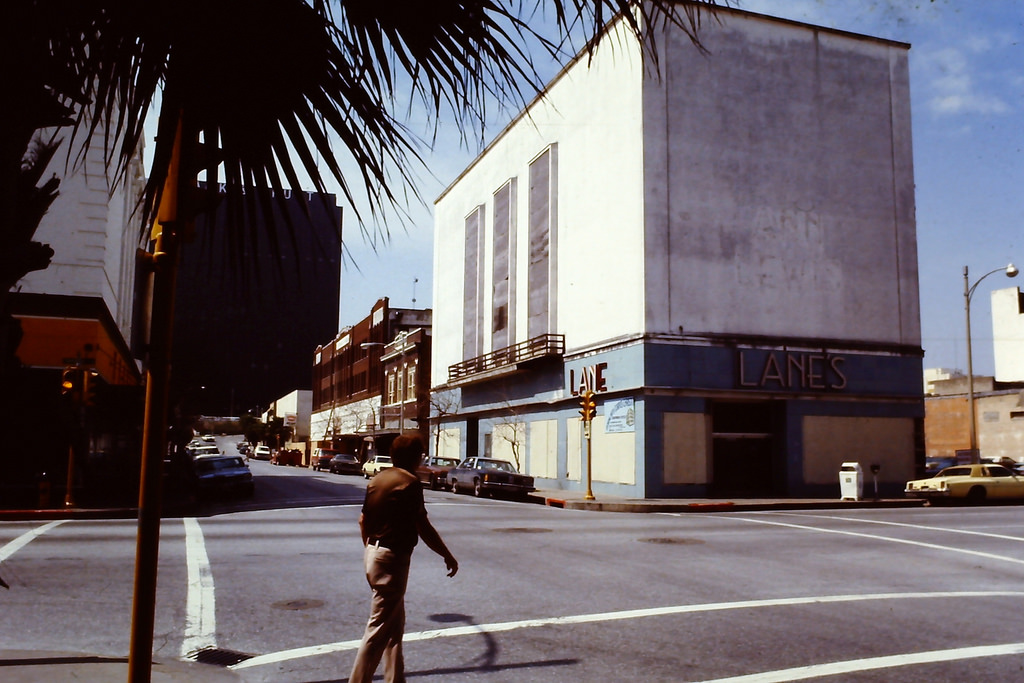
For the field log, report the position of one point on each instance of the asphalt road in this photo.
(544, 594)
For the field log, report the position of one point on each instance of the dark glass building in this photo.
(248, 317)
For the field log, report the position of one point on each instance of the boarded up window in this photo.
(472, 305)
(503, 255)
(542, 196)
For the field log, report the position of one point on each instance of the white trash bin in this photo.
(851, 481)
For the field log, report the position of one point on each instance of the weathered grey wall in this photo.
(780, 190)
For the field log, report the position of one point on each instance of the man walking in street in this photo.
(393, 520)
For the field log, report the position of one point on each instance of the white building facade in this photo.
(1008, 334)
(84, 304)
(722, 247)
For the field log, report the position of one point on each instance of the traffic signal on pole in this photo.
(89, 384)
(182, 200)
(71, 384)
(587, 406)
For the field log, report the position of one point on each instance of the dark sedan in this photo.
(433, 472)
(488, 475)
(344, 463)
(217, 475)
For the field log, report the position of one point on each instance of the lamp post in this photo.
(1011, 271)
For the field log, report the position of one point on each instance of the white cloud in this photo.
(956, 79)
(968, 104)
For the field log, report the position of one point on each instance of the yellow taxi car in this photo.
(973, 483)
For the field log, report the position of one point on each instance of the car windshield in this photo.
(345, 458)
(502, 465)
(383, 458)
(445, 462)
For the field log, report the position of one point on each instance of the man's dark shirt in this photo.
(394, 501)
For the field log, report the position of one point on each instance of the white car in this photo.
(376, 464)
(204, 450)
(261, 453)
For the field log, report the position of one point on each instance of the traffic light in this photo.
(71, 384)
(89, 385)
(587, 406)
(182, 199)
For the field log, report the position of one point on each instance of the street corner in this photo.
(30, 667)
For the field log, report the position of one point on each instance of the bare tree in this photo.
(512, 430)
(444, 403)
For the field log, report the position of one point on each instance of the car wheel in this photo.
(478, 490)
(976, 494)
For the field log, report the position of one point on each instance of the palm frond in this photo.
(278, 84)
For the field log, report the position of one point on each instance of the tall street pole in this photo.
(1011, 271)
(164, 263)
(970, 372)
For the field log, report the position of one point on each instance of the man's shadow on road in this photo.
(485, 662)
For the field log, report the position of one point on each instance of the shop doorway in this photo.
(743, 447)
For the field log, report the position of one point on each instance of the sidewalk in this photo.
(574, 500)
(31, 667)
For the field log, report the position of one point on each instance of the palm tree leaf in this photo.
(278, 83)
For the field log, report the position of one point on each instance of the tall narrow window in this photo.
(542, 209)
(410, 393)
(472, 305)
(503, 271)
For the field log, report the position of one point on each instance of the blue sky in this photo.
(967, 96)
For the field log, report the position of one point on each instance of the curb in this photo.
(721, 506)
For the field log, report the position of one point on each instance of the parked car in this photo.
(376, 464)
(345, 463)
(934, 465)
(218, 475)
(433, 471)
(261, 453)
(286, 456)
(973, 483)
(321, 459)
(489, 475)
(204, 450)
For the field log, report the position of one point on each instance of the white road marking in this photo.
(874, 537)
(21, 541)
(200, 612)
(802, 673)
(298, 653)
(1002, 537)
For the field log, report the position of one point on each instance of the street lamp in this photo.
(1011, 271)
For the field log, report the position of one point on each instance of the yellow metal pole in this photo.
(154, 438)
(590, 494)
(69, 498)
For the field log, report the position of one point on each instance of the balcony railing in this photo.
(544, 346)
